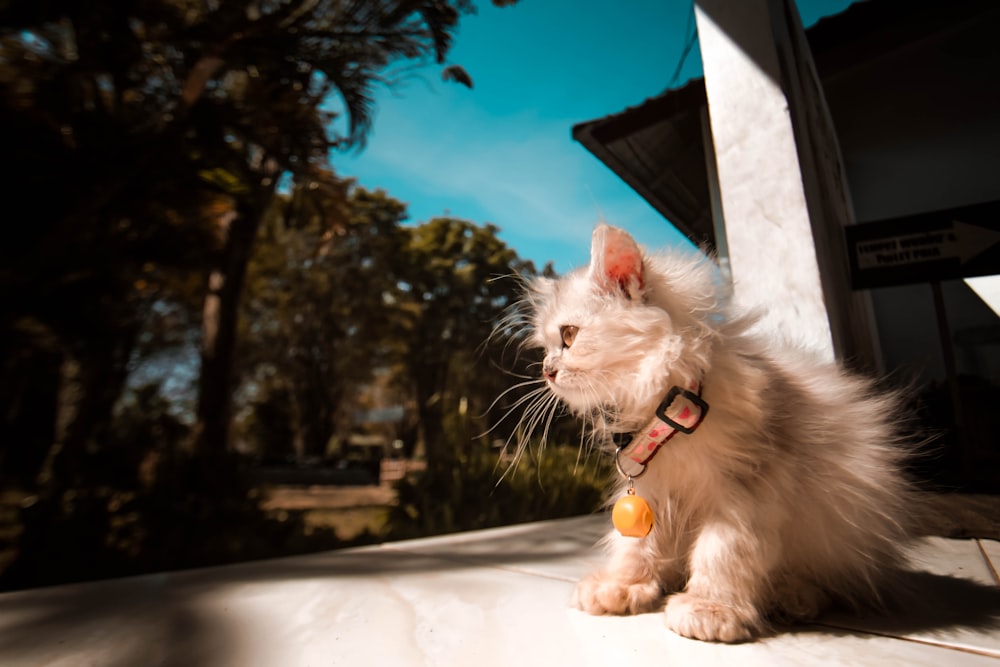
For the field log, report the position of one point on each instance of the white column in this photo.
(781, 181)
(769, 237)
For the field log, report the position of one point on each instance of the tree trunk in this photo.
(321, 401)
(29, 394)
(210, 436)
(430, 394)
(92, 379)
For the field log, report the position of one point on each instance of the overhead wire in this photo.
(690, 39)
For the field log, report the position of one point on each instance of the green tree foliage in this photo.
(460, 278)
(319, 313)
(465, 285)
(149, 140)
(417, 304)
(164, 128)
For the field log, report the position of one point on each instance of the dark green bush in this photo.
(473, 488)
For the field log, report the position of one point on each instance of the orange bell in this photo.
(632, 516)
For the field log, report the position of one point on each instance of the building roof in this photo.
(657, 148)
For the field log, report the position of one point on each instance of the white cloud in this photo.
(521, 172)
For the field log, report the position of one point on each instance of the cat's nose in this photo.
(549, 372)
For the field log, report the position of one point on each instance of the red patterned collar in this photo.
(680, 411)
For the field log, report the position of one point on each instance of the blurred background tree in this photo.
(183, 244)
(459, 278)
(319, 313)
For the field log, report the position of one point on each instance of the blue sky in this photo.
(502, 152)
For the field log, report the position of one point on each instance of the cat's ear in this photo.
(616, 262)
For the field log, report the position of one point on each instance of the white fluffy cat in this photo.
(787, 495)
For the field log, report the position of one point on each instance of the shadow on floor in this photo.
(927, 604)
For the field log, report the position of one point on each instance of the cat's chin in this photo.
(574, 406)
(597, 414)
(574, 399)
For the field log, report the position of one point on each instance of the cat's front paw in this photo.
(604, 594)
(707, 620)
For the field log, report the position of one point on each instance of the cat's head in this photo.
(622, 331)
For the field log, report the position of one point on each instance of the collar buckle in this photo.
(668, 400)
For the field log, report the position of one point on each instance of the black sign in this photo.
(943, 245)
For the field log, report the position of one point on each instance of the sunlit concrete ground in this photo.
(492, 597)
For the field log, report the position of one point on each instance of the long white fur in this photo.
(788, 496)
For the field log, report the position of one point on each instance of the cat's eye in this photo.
(568, 334)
